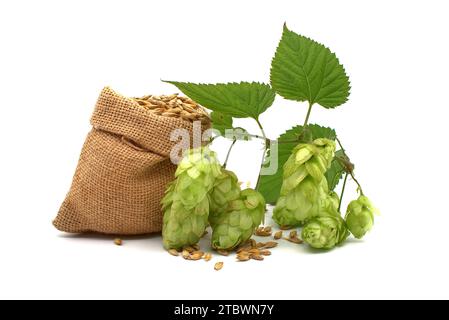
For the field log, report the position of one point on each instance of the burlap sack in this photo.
(124, 166)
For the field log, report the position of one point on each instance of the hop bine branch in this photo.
(349, 167)
(266, 144)
(309, 165)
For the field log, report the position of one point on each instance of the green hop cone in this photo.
(195, 175)
(334, 199)
(186, 203)
(326, 230)
(226, 189)
(304, 186)
(360, 216)
(237, 225)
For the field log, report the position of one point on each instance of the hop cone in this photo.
(237, 225)
(304, 187)
(326, 230)
(360, 216)
(334, 199)
(186, 204)
(225, 190)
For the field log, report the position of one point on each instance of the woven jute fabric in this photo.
(124, 167)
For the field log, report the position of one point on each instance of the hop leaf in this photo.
(221, 122)
(336, 170)
(304, 70)
(238, 100)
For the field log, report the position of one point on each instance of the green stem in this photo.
(261, 129)
(308, 115)
(257, 136)
(229, 153)
(358, 184)
(341, 147)
(264, 150)
(342, 192)
(351, 172)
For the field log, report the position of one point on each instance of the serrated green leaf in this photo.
(305, 70)
(221, 121)
(270, 185)
(335, 172)
(238, 100)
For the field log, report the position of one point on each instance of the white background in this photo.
(55, 57)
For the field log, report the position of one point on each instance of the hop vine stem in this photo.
(308, 114)
(266, 142)
(255, 136)
(350, 172)
(229, 153)
(342, 192)
(358, 184)
(261, 129)
(341, 146)
(258, 137)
